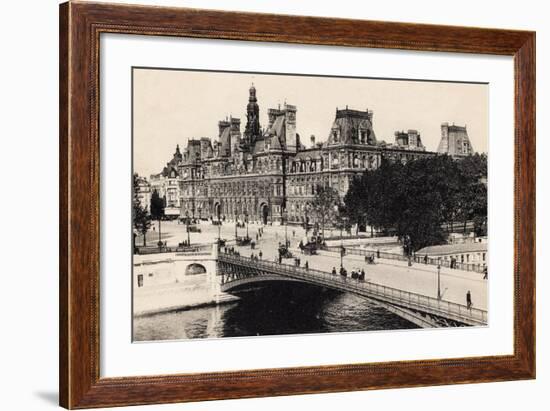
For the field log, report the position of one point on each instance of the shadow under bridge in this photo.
(424, 311)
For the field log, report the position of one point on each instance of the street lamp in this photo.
(235, 214)
(187, 226)
(246, 219)
(439, 281)
(285, 217)
(342, 249)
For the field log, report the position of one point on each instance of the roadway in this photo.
(419, 278)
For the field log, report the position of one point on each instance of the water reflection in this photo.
(273, 309)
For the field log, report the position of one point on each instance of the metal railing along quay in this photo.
(192, 249)
(419, 259)
(430, 305)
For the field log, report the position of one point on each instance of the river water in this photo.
(273, 309)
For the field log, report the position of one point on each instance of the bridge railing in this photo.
(419, 259)
(406, 298)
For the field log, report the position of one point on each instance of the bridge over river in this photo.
(236, 272)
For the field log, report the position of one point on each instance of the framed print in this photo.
(258, 205)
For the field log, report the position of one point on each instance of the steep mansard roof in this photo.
(348, 124)
(225, 142)
(278, 127)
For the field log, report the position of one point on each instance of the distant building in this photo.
(454, 141)
(143, 191)
(467, 253)
(166, 183)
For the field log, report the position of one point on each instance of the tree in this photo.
(414, 200)
(157, 209)
(355, 202)
(473, 195)
(324, 204)
(417, 205)
(140, 216)
(342, 219)
(382, 195)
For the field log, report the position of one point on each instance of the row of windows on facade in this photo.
(308, 165)
(296, 210)
(299, 187)
(362, 136)
(229, 208)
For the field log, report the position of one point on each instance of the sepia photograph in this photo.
(271, 204)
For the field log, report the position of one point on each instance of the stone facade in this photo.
(167, 184)
(258, 173)
(143, 191)
(454, 141)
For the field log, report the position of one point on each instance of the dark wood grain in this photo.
(63, 205)
(80, 27)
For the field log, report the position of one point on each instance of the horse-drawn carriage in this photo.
(310, 248)
(284, 252)
(242, 241)
(193, 228)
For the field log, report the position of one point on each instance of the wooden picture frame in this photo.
(80, 27)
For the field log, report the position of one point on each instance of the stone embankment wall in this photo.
(174, 281)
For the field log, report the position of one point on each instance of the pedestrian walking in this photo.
(485, 276)
(377, 253)
(260, 254)
(333, 270)
(306, 265)
(469, 300)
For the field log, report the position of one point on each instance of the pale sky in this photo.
(172, 106)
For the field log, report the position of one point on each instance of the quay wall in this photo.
(175, 281)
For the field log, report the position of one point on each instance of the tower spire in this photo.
(252, 130)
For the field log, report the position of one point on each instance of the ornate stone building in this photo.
(167, 184)
(261, 172)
